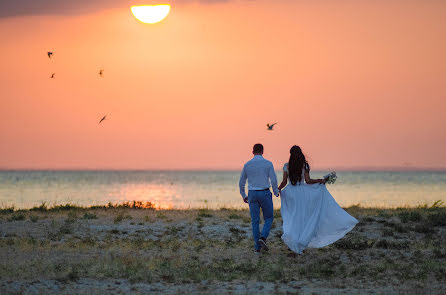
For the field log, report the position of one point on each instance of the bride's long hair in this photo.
(296, 163)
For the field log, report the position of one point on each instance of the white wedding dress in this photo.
(311, 217)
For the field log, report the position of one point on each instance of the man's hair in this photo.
(258, 148)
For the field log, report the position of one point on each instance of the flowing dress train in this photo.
(311, 217)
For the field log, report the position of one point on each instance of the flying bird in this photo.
(101, 73)
(270, 127)
(50, 54)
(52, 75)
(103, 118)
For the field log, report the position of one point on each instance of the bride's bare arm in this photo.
(284, 181)
(311, 181)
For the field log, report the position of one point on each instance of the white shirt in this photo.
(260, 174)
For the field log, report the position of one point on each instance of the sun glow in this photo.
(150, 14)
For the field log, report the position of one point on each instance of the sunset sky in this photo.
(354, 83)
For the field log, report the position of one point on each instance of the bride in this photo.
(311, 217)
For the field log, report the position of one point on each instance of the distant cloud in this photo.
(9, 8)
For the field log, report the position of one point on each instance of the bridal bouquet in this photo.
(331, 177)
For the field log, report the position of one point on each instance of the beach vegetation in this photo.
(121, 216)
(71, 217)
(88, 215)
(204, 213)
(183, 251)
(17, 217)
(42, 208)
(33, 218)
(234, 216)
(437, 218)
(410, 215)
(354, 242)
(7, 210)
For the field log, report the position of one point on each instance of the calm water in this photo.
(214, 189)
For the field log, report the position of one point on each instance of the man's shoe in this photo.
(263, 244)
(257, 252)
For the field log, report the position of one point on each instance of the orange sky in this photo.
(355, 83)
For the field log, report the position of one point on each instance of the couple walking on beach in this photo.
(311, 217)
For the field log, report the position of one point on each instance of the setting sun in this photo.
(150, 14)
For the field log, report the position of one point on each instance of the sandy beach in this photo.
(125, 250)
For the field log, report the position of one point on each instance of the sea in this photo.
(207, 189)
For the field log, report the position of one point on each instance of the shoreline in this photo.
(121, 249)
(144, 205)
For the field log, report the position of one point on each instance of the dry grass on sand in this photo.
(126, 249)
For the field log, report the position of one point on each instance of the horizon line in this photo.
(338, 168)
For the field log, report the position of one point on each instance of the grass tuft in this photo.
(17, 217)
(33, 218)
(42, 208)
(204, 213)
(120, 217)
(7, 210)
(90, 216)
(234, 216)
(410, 215)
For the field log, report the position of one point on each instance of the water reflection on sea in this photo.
(197, 189)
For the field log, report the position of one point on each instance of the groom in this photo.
(260, 173)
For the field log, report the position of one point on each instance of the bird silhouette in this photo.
(50, 54)
(52, 75)
(270, 127)
(103, 118)
(101, 73)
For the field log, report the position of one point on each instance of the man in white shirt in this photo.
(260, 174)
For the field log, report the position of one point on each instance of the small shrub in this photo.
(437, 204)
(65, 229)
(160, 215)
(246, 219)
(173, 230)
(353, 242)
(437, 218)
(438, 253)
(406, 216)
(236, 231)
(7, 210)
(234, 216)
(17, 217)
(66, 207)
(424, 228)
(121, 217)
(396, 226)
(386, 244)
(42, 208)
(72, 217)
(368, 219)
(204, 213)
(133, 205)
(387, 233)
(73, 275)
(89, 241)
(384, 214)
(33, 218)
(199, 247)
(90, 216)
